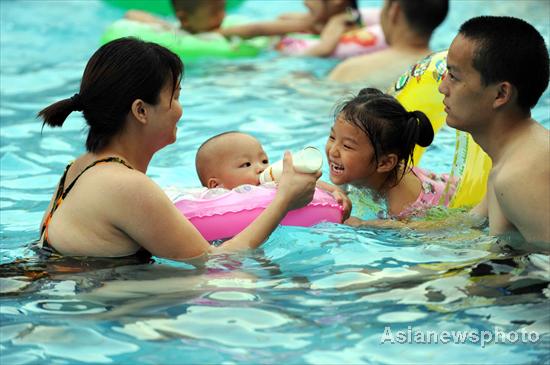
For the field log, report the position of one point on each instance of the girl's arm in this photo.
(465, 219)
(270, 28)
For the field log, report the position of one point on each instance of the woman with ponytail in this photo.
(105, 205)
(371, 146)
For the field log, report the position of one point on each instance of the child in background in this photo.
(194, 16)
(328, 18)
(371, 146)
(231, 159)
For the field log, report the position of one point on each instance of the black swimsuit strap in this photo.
(107, 159)
(62, 193)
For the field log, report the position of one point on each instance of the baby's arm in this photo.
(330, 36)
(270, 28)
(340, 196)
(144, 17)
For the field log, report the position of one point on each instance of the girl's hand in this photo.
(339, 195)
(296, 188)
(344, 201)
(354, 222)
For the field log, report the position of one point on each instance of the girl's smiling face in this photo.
(350, 155)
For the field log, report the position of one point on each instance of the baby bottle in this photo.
(308, 160)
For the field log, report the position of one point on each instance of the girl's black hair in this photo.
(389, 127)
(117, 74)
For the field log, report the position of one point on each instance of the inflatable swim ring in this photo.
(187, 46)
(221, 213)
(161, 7)
(416, 89)
(353, 43)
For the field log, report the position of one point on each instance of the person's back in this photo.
(497, 71)
(407, 26)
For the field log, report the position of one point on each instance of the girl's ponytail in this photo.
(55, 114)
(425, 131)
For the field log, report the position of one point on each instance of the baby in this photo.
(231, 159)
(194, 16)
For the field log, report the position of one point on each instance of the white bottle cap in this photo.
(309, 160)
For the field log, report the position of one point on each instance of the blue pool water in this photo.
(321, 295)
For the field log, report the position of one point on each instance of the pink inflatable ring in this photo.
(220, 213)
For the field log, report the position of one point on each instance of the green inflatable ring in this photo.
(161, 7)
(187, 46)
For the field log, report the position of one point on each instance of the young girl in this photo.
(371, 146)
(328, 18)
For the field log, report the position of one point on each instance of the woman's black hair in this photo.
(117, 74)
(388, 125)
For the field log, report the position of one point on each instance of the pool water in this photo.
(328, 294)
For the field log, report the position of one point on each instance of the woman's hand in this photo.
(296, 188)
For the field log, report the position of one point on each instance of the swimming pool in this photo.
(327, 294)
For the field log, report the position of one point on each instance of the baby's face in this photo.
(242, 158)
(208, 17)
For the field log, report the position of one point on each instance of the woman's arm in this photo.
(145, 213)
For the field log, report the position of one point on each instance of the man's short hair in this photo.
(424, 15)
(509, 49)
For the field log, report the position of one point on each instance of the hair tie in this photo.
(76, 102)
(414, 116)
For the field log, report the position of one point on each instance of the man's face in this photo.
(468, 103)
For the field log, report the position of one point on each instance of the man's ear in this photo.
(387, 163)
(505, 92)
(139, 111)
(213, 182)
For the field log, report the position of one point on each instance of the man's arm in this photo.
(524, 198)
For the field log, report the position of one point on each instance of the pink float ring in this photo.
(229, 212)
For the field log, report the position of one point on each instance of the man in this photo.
(497, 70)
(407, 26)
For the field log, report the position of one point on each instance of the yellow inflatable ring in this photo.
(416, 89)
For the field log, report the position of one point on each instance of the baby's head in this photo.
(372, 140)
(230, 159)
(323, 10)
(197, 16)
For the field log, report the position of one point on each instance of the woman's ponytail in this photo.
(56, 114)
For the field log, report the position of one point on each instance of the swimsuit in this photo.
(435, 190)
(61, 194)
